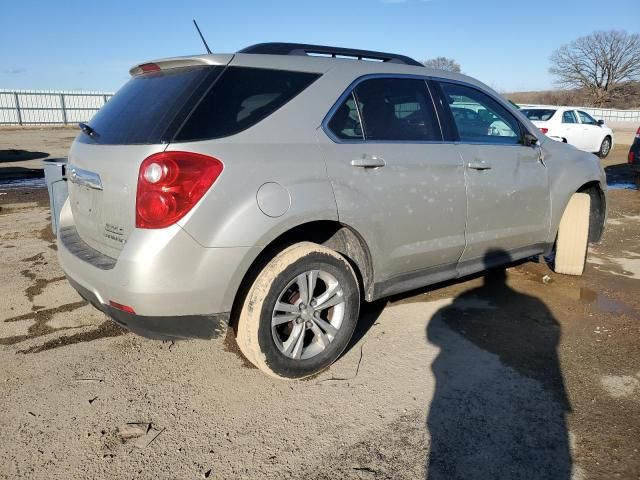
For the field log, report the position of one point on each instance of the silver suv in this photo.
(276, 188)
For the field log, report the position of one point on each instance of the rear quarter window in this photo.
(240, 98)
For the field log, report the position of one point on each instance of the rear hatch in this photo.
(139, 120)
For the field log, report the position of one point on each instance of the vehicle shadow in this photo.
(621, 173)
(12, 155)
(369, 314)
(19, 173)
(487, 421)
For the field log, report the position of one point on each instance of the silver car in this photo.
(277, 188)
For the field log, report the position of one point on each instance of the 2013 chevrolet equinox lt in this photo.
(280, 186)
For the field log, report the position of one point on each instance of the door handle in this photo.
(369, 162)
(479, 166)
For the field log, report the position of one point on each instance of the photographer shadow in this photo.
(500, 405)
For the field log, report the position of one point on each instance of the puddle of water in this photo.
(622, 186)
(23, 183)
(607, 304)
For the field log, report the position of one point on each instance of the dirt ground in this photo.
(521, 374)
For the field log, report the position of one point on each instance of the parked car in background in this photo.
(572, 126)
(634, 157)
(276, 189)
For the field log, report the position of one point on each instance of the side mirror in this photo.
(600, 122)
(529, 139)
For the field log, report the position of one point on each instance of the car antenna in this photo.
(202, 37)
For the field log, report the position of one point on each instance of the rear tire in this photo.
(605, 147)
(573, 236)
(289, 333)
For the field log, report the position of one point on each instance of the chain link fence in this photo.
(41, 107)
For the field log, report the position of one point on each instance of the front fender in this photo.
(569, 170)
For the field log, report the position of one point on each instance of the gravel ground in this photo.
(503, 376)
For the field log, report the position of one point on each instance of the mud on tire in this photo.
(275, 310)
(573, 235)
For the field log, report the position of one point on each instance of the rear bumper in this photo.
(160, 328)
(176, 287)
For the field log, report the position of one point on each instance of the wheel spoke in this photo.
(326, 326)
(303, 285)
(286, 307)
(326, 295)
(331, 301)
(289, 347)
(280, 319)
(297, 349)
(312, 276)
(320, 335)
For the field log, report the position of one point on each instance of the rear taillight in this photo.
(170, 184)
(638, 133)
(631, 157)
(544, 130)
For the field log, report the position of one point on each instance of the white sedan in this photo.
(572, 126)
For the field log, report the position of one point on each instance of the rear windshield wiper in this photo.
(88, 130)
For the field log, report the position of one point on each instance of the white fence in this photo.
(42, 107)
(609, 115)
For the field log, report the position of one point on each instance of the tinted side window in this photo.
(569, 117)
(397, 109)
(586, 118)
(345, 123)
(241, 98)
(479, 118)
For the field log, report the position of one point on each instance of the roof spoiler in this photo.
(179, 62)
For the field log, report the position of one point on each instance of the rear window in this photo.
(539, 114)
(150, 108)
(240, 98)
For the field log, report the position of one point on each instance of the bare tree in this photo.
(600, 63)
(443, 63)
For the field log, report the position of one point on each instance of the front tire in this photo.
(605, 147)
(573, 236)
(300, 312)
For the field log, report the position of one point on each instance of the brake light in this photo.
(149, 67)
(631, 157)
(638, 133)
(544, 130)
(170, 184)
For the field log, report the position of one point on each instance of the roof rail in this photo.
(304, 49)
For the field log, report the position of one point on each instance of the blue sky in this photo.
(90, 45)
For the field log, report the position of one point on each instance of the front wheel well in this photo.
(598, 210)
